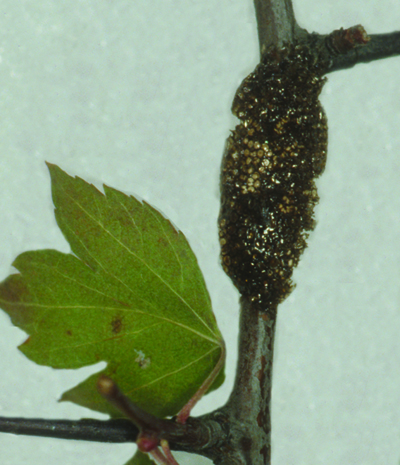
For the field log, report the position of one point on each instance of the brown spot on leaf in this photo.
(68, 332)
(116, 324)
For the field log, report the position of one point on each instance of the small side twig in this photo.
(196, 434)
(341, 49)
(153, 431)
(378, 47)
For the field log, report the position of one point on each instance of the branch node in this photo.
(147, 443)
(153, 431)
(342, 40)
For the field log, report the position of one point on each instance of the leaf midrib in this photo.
(131, 253)
(119, 309)
(172, 372)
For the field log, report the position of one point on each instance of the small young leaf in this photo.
(132, 295)
(140, 459)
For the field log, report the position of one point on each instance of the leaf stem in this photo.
(167, 452)
(159, 457)
(154, 431)
(184, 413)
(142, 419)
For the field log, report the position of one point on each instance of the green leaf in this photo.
(132, 295)
(140, 459)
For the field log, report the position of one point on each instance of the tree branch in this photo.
(113, 431)
(202, 435)
(239, 432)
(341, 49)
(249, 403)
(276, 24)
(378, 47)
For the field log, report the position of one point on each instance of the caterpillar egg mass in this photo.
(267, 175)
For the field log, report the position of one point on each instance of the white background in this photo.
(137, 94)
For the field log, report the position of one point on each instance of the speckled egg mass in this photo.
(267, 177)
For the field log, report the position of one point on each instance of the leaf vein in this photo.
(171, 373)
(137, 257)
